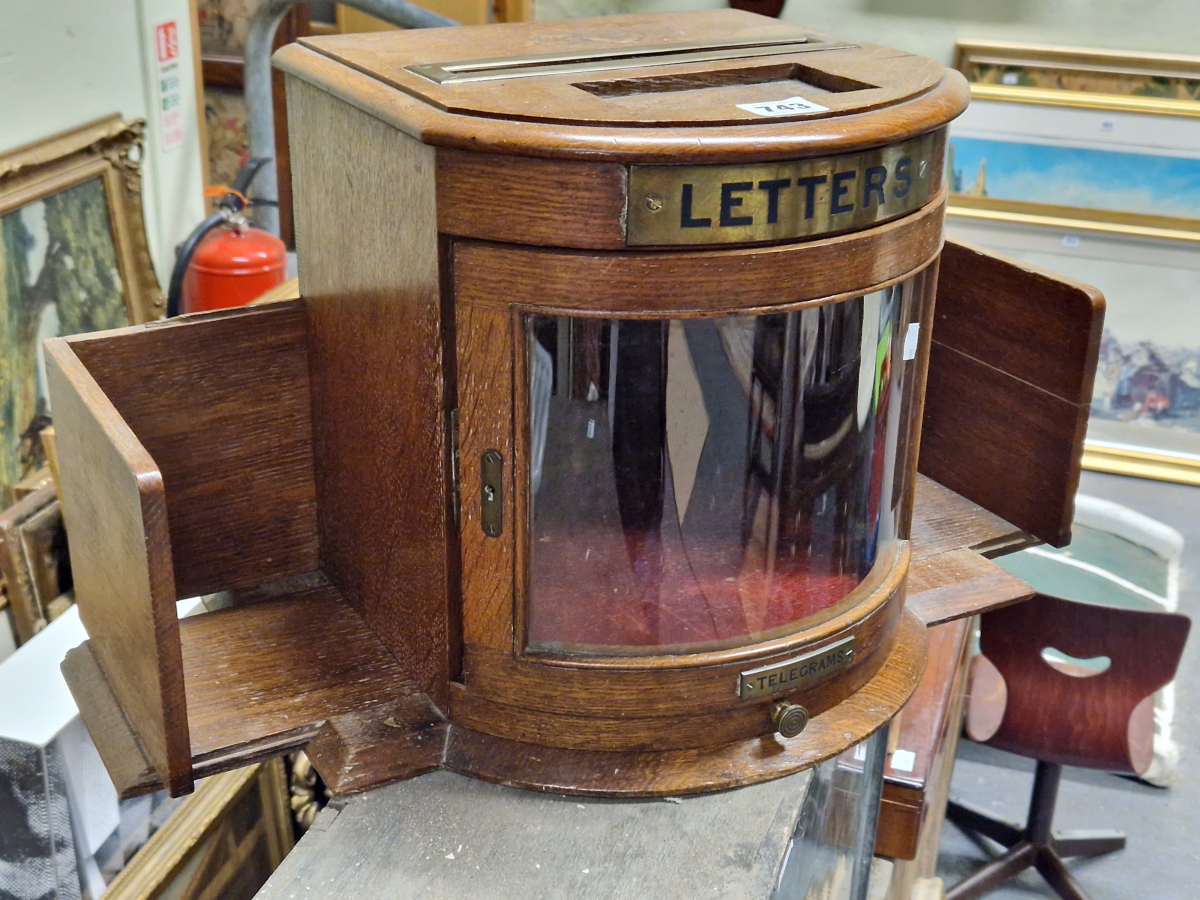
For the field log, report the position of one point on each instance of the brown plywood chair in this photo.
(1033, 703)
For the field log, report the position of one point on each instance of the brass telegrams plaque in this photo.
(779, 200)
(795, 673)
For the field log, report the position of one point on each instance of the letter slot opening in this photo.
(797, 76)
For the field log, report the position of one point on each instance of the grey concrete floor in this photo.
(1162, 859)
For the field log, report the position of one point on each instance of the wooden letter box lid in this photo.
(705, 87)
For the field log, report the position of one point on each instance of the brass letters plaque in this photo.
(795, 673)
(745, 204)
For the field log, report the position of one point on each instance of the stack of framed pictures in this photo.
(1087, 163)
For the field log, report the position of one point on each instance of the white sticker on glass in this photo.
(903, 761)
(911, 338)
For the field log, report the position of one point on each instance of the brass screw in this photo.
(654, 202)
(790, 718)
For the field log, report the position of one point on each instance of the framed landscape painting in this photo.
(1089, 169)
(73, 258)
(1083, 182)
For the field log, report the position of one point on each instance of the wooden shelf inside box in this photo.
(188, 470)
(260, 680)
(274, 670)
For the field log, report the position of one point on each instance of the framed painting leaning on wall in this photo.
(1015, 157)
(73, 258)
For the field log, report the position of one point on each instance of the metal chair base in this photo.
(1035, 845)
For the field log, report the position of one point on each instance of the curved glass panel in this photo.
(704, 483)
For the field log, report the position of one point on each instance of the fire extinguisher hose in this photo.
(186, 250)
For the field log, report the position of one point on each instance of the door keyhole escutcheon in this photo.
(491, 506)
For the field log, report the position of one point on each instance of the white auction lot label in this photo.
(789, 107)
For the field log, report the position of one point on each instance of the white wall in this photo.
(65, 62)
(574, 9)
(930, 27)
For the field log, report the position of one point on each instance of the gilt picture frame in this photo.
(20, 580)
(222, 842)
(1104, 79)
(1099, 141)
(73, 258)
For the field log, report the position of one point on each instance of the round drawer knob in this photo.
(790, 718)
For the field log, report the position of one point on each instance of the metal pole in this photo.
(259, 107)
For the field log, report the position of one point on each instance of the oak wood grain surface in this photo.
(945, 521)
(119, 746)
(697, 725)
(221, 403)
(655, 283)
(953, 541)
(124, 582)
(485, 422)
(263, 679)
(656, 774)
(847, 80)
(375, 744)
(261, 670)
(915, 97)
(413, 316)
(536, 201)
(958, 583)
(1010, 382)
(375, 344)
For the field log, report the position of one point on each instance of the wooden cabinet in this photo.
(588, 460)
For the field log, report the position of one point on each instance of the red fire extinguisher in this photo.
(225, 262)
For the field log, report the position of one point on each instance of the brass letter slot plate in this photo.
(616, 58)
(780, 200)
(795, 673)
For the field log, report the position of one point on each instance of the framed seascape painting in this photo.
(73, 258)
(1087, 163)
